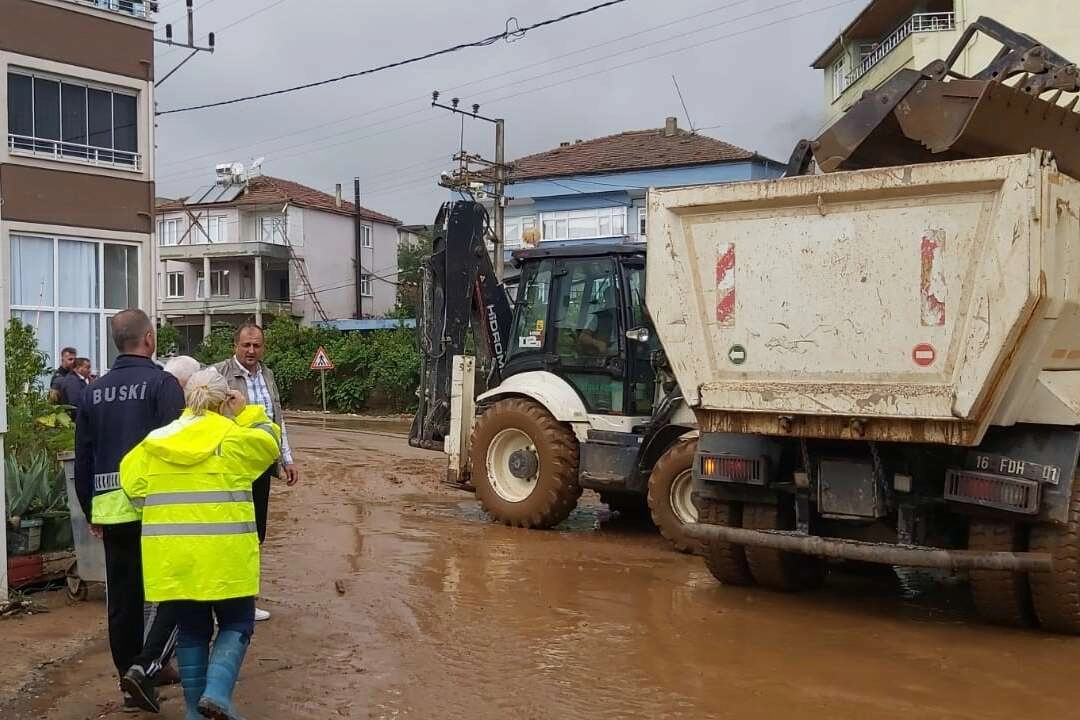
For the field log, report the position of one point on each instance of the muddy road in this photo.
(393, 598)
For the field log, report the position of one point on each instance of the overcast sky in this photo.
(743, 68)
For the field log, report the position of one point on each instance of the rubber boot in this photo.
(193, 660)
(225, 660)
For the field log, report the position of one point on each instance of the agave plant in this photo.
(35, 488)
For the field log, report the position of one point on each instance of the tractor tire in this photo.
(545, 489)
(725, 561)
(1056, 594)
(776, 569)
(1001, 598)
(670, 483)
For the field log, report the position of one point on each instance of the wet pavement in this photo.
(393, 598)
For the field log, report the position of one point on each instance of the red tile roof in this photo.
(268, 190)
(631, 150)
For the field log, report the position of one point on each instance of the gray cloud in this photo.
(580, 79)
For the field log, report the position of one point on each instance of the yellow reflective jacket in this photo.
(192, 479)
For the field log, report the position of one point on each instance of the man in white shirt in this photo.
(246, 373)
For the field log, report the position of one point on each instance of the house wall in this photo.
(328, 254)
(66, 200)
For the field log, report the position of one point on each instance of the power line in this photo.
(520, 68)
(506, 34)
(235, 22)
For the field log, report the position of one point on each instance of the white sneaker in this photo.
(261, 615)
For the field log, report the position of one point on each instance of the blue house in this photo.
(595, 189)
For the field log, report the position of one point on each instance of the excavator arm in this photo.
(459, 292)
(937, 114)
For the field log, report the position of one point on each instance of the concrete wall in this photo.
(327, 252)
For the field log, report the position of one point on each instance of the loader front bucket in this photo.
(915, 119)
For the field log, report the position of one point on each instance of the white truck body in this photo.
(921, 303)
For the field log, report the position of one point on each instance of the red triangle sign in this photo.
(321, 361)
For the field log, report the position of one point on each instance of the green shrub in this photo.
(35, 427)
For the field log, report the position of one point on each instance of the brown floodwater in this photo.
(393, 598)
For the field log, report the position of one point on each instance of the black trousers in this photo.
(134, 638)
(260, 492)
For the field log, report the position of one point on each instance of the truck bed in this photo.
(919, 303)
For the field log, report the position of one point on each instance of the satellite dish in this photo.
(256, 166)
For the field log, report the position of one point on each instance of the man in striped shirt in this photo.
(246, 373)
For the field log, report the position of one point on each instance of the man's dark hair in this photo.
(69, 351)
(80, 361)
(247, 326)
(129, 327)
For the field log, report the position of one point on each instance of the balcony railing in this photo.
(918, 23)
(73, 152)
(135, 8)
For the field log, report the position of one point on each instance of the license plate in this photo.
(1004, 465)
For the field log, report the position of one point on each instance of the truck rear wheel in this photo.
(1002, 598)
(670, 484)
(524, 465)
(1056, 594)
(776, 569)
(725, 561)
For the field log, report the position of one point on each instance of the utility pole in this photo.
(190, 44)
(359, 251)
(492, 173)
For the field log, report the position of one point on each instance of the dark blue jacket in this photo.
(71, 389)
(115, 413)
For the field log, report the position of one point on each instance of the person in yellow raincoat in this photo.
(192, 480)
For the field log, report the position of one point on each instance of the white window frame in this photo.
(169, 232)
(99, 357)
(367, 236)
(276, 226)
(365, 285)
(174, 284)
(61, 150)
(514, 230)
(642, 222)
(218, 278)
(560, 222)
(200, 285)
(217, 229)
(839, 75)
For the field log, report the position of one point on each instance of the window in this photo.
(169, 232)
(272, 229)
(175, 282)
(365, 285)
(581, 224)
(641, 223)
(519, 231)
(531, 311)
(839, 77)
(219, 284)
(68, 288)
(67, 119)
(212, 229)
(365, 236)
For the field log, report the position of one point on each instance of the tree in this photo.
(411, 258)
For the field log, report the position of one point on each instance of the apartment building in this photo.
(251, 246)
(76, 170)
(889, 35)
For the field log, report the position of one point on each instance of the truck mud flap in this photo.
(883, 553)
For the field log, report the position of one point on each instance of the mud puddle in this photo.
(393, 598)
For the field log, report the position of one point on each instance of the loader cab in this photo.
(574, 306)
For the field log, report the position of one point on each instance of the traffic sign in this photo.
(737, 354)
(321, 361)
(924, 354)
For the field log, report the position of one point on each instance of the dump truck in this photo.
(884, 359)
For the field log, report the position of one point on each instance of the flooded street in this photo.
(394, 598)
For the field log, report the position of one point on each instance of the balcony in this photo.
(874, 54)
(133, 8)
(73, 152)
(196, 251)
(223, 306)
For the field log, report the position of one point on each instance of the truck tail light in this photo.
(727, 468)
(992, 491)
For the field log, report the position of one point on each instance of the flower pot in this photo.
(26, 539)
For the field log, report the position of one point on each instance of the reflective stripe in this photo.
(106, 481)
(270, 429)
(198, 498)
(234, 528)
(138, 502)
